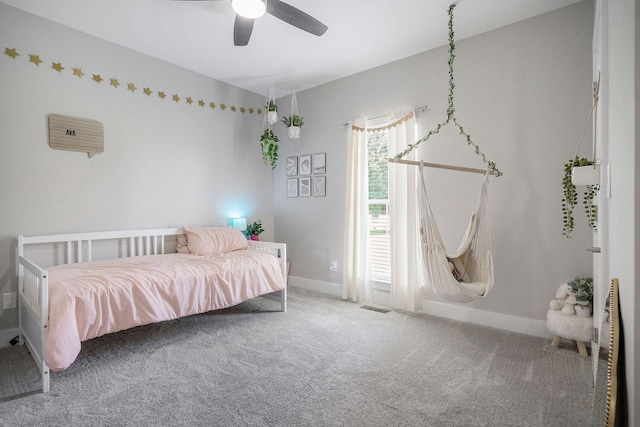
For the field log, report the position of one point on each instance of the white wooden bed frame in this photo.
(33, 296)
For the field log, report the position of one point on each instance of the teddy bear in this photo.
(566, 302)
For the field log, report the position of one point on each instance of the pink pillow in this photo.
(210, 241)
(181, 245)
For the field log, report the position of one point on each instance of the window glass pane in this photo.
(379, 238)
(378, 165)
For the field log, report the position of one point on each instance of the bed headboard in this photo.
(79, 247)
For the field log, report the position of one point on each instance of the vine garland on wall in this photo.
(115, 83)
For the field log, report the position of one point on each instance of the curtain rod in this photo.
(440, 166)
(422, 108)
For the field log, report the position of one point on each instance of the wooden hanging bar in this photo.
(440, 166)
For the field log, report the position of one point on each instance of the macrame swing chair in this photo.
(466, 274)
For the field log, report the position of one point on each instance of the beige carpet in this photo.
(325, 362)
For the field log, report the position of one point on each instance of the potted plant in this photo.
(571, 197)
(272, 111)
(585, 174)
(269, 146)
(294, 123)
(582, 287)
(254, 230)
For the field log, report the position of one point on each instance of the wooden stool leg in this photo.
(582, 349)
(556, 341)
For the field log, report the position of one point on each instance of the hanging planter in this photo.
(586, 175)
(582, 171)
(570, 194)
(272, 112)
(293, 122)
(271, 107)
(269, 146)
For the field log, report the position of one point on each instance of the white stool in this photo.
(576, 328)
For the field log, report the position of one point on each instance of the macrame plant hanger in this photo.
(271, 106)
(294, 129)
(592, 170)
(268, 139)
(491, 166)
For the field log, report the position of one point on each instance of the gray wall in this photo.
(165, 164)
(523, 92)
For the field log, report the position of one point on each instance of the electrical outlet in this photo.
(333, 266)
(9, 300)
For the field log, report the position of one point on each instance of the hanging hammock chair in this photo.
(466, 274)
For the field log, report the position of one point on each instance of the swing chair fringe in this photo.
(441, 166)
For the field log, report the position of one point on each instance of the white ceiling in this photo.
(362, 34)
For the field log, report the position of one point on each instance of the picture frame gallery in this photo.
(306, 175)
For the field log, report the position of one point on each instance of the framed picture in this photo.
(305, 186)
(292, 187)
(319, 163)
(319, 186)
(304, 165)
(292, 166)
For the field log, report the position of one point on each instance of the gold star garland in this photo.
(35, 59)
(77, 71)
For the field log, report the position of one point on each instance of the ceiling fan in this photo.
(249, 10)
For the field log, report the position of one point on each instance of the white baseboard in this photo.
(522, 325)
(491, 319)
(7, 335)
(315, 285)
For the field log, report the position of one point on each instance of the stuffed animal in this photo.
(566, 302)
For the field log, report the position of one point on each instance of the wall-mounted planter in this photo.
(585, 175)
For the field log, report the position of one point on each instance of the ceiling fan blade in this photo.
(242, 30)
(295, 17)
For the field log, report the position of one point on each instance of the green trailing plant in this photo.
(254, 229)
(272, 106)
(571, 198)
(582, 287)
(451, 109)
(269, 146)
(294, 120)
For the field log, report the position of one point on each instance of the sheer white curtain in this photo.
(406, 268)
(356, 283)
(406, 280)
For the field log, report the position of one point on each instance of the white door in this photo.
(599, 249)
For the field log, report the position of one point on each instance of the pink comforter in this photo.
(90, 299)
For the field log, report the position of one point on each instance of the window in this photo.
(379, 224)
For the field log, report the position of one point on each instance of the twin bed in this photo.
(86, 285)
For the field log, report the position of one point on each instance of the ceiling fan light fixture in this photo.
(250, 9)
